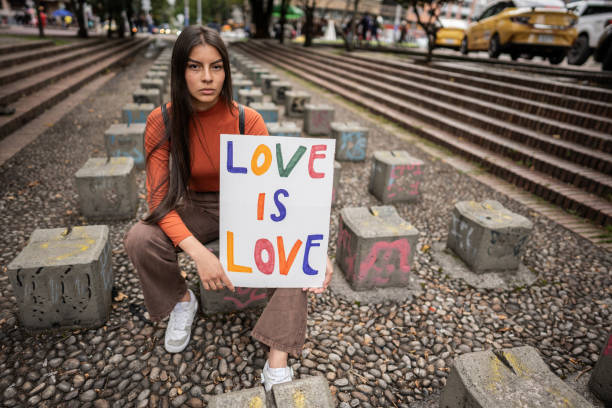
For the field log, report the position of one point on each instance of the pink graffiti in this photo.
(394, 187)
(253, 297)
(381, 275)
(414, 169)
(320, 118)
(344, 244)
(608, 349)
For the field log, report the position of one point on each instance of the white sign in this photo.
(275, 203)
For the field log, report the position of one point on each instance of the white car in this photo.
(593, 17)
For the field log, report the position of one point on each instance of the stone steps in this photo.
(440, 71)
(28, 55)
(565, 195)
(567, 142)
(58, 83)
(24, 46)
(481, 130)
(510, 95)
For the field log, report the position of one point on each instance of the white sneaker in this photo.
(178, 331)
(273, 376)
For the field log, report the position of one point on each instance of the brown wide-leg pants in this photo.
(282, 324)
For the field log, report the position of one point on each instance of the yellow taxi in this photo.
(450, 33)
(530, 28)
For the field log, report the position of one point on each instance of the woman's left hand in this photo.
(329, 271)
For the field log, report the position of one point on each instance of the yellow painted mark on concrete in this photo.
(560, 398)
(255, 402)
(518, 366)
(496, 376)
(299, 399)
(81, 243)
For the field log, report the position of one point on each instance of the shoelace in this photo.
(180, 320)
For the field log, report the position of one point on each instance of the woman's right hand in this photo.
(209, 268)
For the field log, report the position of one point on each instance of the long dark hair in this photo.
(181, 115)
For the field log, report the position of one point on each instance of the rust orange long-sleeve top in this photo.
(204, 150)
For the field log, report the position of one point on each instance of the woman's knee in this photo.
(142, 238)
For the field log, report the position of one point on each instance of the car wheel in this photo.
(556, 59)
(580, 51)
(515, 55)
(464, 46)
(494, 47)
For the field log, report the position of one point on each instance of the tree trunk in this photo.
(261, 17)
(79, 6)
(283, 20)
(353, 27)
(308, 25)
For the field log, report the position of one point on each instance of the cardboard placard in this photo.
(275, 203)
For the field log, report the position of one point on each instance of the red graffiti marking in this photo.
(344, 244)
(320, 118)
(381, 275)
(394, 187)
(608, 349)
(253, 297)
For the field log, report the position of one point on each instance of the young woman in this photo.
(183, 198)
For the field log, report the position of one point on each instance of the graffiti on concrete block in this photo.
(386, 259)
(353, 145)
(344, 247)
(462, 233)
(608, 350)
(506, 244)
(320, 119)
(400, 178)
(246, 296)
(125, 146)
(280, 93)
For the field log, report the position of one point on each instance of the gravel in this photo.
(372, 355)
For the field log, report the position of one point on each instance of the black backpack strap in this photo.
(166, 119)
(241, 118)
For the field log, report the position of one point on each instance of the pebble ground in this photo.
(373, 355)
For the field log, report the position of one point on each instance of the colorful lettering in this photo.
(284, 172)
(261, 245)
(231, 266)
(313, 156)
(258, 170)
(282, 211)
(230, 160)
(308, 270)
(285, 264)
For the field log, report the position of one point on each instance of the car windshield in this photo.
(539, 3)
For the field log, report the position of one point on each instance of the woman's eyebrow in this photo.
(198, 62)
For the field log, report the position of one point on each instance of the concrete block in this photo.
(256, 75)
(249, 398)
(509, 378)
(601, 377)
(159, 75)
(318, 119)
(311, 392)
(240, 84)
(268, 111)
(278, 91)
(337, 174)
(225, 301)
(147, 96)
(136, 113)
(248, 96)
(486, 236)
(107, 188)
(284, 129)
(295, 103)
(238, 76)
(375, 247)
(266, 82)
(122, 140)
(63, 278)
(351, 141)
(395, 176)
(153, 83)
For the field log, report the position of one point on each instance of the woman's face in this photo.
(204, 76)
